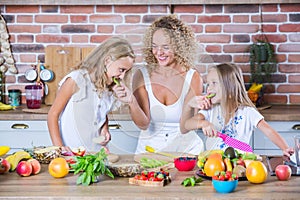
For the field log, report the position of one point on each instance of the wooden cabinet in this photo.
(24, 134)
(263, 145)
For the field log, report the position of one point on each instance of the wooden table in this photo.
(44, 186)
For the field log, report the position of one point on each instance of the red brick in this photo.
(240, 59)
(278, 38)
(188, 9)
(78, 18)
(288, 88)
(281, 57)
(214, 19)
(214, 48)
(106, 18)
(241, 38)
(132, 19)
(295, 99)
(233, 28)
(213, 38)
(78, 29)
(230, 8)
(103, 9)
(105, 29)
(269, 8)
(52, 38)
(269, 28)
(288, 48)
(130, 9)
(294, 79)
(49, 8)
(22, 9)
(290, 7)
(213, 8)
(158, 9)
(213, 28)
(275, 99)
(270, 18)
(197, 28)
(80, 39)
(133, 29)
(241, 19)
(51, 18)
(24, 18)
(31, 58)
(24, 28)
(289, 28)
(77, 9)
(235, 48)
(99, 38)
(188, 18)
(25, 38)
(294, 37)
(289, 68)
(294, 58)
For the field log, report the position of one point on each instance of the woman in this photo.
(85, 96)
(160, 88)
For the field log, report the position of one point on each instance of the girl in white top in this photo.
(85, 96)
(232, 112)
(159, 89)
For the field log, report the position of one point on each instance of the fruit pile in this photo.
(151, 178)
(225, 176)
(232, 161)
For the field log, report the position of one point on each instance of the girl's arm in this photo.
(104, 131)
(64, 94)
(275, 137)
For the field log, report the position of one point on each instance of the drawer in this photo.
(123, 125)
(28, 126)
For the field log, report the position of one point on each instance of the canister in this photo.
(34, 96)
(14, 97)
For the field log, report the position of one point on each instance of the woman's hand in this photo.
(200, 102)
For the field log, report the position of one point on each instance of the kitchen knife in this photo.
(235, 143)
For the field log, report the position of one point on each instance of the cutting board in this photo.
(61, 60)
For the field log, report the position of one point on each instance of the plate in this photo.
(200, 174)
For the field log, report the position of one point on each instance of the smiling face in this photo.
(118, 68)
(214, 86)
(162, 49)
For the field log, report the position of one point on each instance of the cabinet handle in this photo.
(296, 127)
(114, 126)
(19, 126)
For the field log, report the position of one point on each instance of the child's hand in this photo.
(123, 93)
(200, 102)
(288, 152)
(209, 130)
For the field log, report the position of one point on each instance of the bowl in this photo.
(185, 163)
(225, 186)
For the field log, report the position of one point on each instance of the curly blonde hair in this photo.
(94, 63)
(182, 39)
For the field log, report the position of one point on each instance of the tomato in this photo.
(213, 165)
(151, 174)
(256, 172)
(143, 177)
(58, 167)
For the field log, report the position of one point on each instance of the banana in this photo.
(15, 158)
(4, 106)
(4, 150)
(228, 164)
(255, 87)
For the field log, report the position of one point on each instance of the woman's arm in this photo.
(275, 137)
(63, 96)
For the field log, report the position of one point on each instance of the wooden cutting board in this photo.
(61, 60)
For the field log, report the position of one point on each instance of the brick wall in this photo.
(223, 31)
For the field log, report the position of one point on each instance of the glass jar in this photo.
(34, 94)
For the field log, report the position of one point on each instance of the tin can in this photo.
(14, 97)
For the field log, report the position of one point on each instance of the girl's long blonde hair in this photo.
(94, 63)
(234, 94)
(182, 39)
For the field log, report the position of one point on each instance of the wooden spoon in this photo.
(152, 150)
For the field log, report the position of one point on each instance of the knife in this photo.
(235, 143)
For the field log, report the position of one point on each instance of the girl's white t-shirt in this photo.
(85, 113)
(240, 127)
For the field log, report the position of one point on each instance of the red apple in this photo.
(36, 166)
(283, 172)
(24, 168)
(4, 166)
(241, 162)
(80, 151)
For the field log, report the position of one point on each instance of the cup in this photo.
(297, 149)
(33, 96)
(14, 97)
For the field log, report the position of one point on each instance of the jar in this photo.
(14, 97)
(34, 96)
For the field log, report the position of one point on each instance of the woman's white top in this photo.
(240, 127)
(85, 113)
(163, 133)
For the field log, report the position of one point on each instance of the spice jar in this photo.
(14, 97)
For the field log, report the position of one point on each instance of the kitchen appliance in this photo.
(235, 143)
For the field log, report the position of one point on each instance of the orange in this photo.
(256, 172)
(58, 168)
(215, 155)
(213, 165)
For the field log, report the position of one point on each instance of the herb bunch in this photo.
(90, 167)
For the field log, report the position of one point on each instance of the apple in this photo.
(241, 162)
(24, 168)
(80, 151)
(36, 166)
(283, 172)
(4, 166)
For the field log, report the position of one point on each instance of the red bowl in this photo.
(185, 163)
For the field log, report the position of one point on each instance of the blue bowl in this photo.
(225, 186)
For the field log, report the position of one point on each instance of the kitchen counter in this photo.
(44, 186)
(274, 113)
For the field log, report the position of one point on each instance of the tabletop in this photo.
(44, 186)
